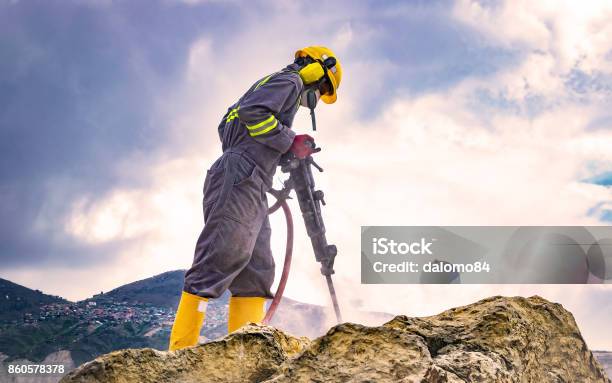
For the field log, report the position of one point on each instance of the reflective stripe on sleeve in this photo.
(232, 114)
(262, 82)
(262, 127)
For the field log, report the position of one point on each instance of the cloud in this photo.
(83, 90)
(508, 147)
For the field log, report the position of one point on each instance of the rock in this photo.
(494, 340)
(250, 355)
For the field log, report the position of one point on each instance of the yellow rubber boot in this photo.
(188, 321)
(243, 310)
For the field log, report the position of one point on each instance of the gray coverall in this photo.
(233, 250)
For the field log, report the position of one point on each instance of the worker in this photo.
(233, 250)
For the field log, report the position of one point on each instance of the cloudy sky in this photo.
(450, 113)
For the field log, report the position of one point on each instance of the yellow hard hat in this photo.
(334, 73)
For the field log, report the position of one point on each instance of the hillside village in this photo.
(114, 313)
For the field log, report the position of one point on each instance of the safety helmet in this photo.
(334, 74)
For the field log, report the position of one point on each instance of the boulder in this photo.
(497, 339)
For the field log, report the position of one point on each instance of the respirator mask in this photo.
(313, 94)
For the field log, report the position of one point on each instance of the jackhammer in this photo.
(310, 200)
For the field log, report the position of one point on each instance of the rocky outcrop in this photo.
(494, 340)
(251, 355)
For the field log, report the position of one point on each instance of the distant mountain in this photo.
(163, 290)
(17, 300)
(605, 358)
(305, 319)
(34, 325)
